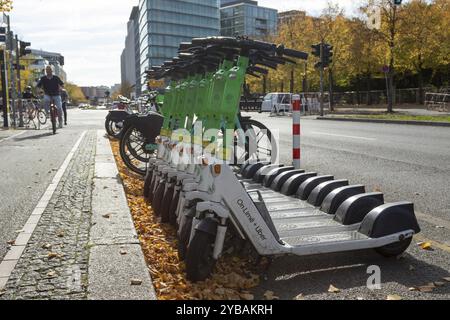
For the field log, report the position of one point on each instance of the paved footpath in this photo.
(74, 245)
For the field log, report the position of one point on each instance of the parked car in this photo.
(277, 102)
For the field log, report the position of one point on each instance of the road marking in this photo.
(7, 266)
(343, 136)
(433, 220)
(13, 136)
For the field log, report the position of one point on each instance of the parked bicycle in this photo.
(33, 112)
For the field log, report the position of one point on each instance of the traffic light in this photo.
(316, 50)
(327, 55)
(2, 34)
(20, 67)
(23, 48)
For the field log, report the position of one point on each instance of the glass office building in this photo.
(247, 18)
(163, 24)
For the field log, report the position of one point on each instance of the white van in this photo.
(277, 102)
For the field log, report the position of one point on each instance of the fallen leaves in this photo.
(53, 255)
(333, 289)
(136, 282)
(425, 246)
(60, 234)
(11, 242)
(394, 297)
(231, 280)
(47, 246)
(270, 295)
(51, 274)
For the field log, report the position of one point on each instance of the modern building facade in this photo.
(164, 24)
(130, 58)
(288, 16)
(95, 95)
(44, 58)
(246, 18)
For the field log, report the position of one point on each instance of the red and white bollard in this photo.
(296, 130)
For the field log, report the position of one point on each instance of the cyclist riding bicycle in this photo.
(52, 85)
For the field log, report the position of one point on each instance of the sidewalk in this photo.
(79, 242)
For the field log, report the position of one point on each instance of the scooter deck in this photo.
(333, 237)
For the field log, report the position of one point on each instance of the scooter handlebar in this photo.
(292, 53)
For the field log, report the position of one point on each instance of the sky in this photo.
(91, 33)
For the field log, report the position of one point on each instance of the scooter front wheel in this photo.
(147, 184)
(394, 249)
(199, 259)
(158, 197)
(185, 235)
(165, 205)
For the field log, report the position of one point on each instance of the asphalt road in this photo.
(28, 163)
(406, 163)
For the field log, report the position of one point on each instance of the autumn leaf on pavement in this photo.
(136, 282)
(269, 295)
(425, 246)
(394, 297)
(53, 255)
(247, 296)
(333, 289)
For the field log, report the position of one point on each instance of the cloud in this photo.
(312, 7)
(89, 33)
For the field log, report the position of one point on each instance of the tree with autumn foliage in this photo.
(412, 39)
(5, 5)
(75, 93)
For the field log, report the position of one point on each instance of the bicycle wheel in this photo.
(53, 119)
(132, 151)
(42, 117)
(29, 115)
(260, 144)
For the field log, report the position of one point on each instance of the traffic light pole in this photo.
(19, 84)
(4, 79)
(321, 80)
(11, 71)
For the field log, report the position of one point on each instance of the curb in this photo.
(408, 122)
(117, 268)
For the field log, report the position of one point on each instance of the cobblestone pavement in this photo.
(55, 262)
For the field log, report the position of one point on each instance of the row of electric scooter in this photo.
(194, 183)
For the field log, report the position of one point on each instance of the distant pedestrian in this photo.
(65, 100)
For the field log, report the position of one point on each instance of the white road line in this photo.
(343, 136)
(12, 257)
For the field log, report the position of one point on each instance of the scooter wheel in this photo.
(199, 258)
(173, 209)
(165, 205)
(185, 235)
(394, 249)
(157, 199)
(151, 190)
(147, 184)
